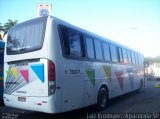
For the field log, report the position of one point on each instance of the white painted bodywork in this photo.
(73, 90)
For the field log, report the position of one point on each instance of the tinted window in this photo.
(133, 58)
(114, 53)
(137, 59)
(140, 59)
(83, 48)
(129, 57)
(125, 60)
(120, 54)
(66, 41)
(74, 43)
(106, 52)
(136, 62)
(98, 49)
(90, 48)
(26, 37)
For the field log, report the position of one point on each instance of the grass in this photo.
(158, 85)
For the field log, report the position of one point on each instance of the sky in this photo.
(134, 23)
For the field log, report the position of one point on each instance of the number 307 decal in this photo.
(73, 72)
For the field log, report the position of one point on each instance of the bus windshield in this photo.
(26, 37)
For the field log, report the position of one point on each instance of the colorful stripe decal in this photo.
(15, 72)
(24, 73)
(91, 75)
(39, 71)
(108, 72)
(119, 75)
(8, 74)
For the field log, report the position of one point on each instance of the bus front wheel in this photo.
(102, 98)
(141, 85)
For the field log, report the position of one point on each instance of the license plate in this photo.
(22, 99)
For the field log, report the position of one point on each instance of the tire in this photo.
(102, 98)
(140, 86)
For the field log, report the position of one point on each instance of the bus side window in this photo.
(140, 60)
(120, 54)
(90, 48)
(129, 57)
(107, 56)
(72, 43)
(65, 41)
(138, 63)
(133, 58)
(114, 53)
(83, 48)
(98, 50)
(125, 60)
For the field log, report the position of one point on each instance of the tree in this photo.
(152, 60)
(1, 27)
(8, 25)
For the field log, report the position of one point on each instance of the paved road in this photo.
(146, 101)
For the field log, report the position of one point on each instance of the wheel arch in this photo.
(105, 85)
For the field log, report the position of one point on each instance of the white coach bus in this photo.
(52, 66)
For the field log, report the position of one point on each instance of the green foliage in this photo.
(8, 25)
(158, 85)
(153, 60)
(1, 27)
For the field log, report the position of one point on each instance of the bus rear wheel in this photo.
(102, 98)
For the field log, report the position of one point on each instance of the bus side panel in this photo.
(117, 79)
(72, 84)
(90, 83)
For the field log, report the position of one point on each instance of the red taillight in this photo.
(51, 77)
(51, 71)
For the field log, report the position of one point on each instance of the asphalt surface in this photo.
(144, 104)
